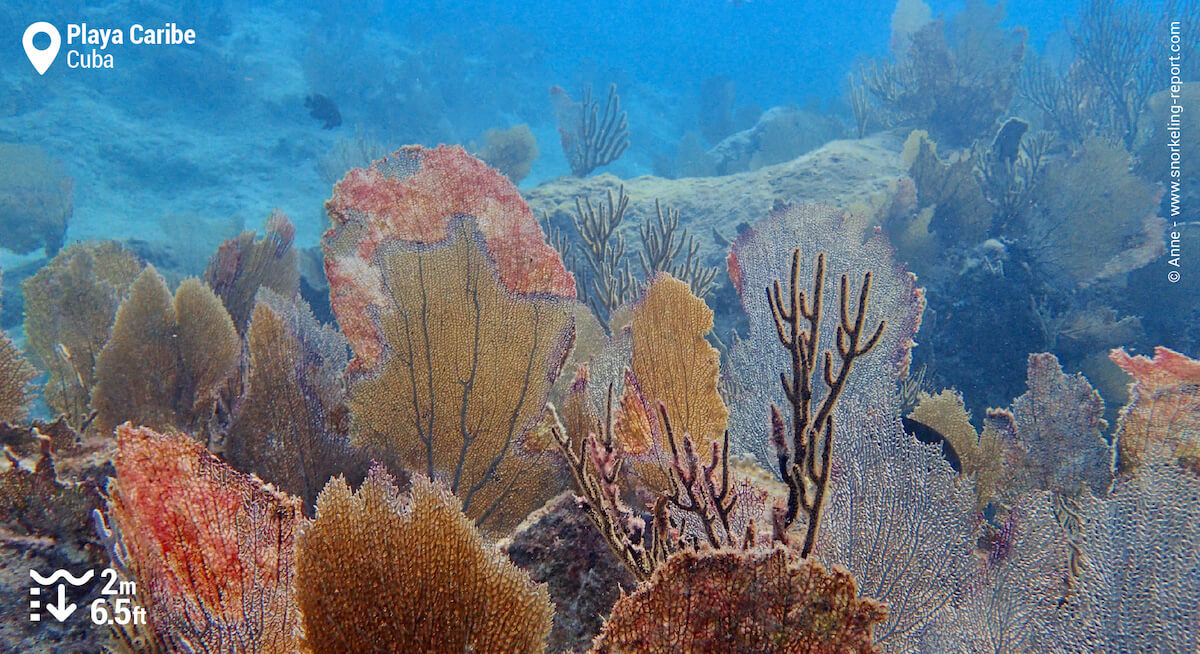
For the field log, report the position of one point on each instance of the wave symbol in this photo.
(62, 574)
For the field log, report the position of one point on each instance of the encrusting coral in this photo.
(243, 265)
(291, 425)
(190, 345)
(377, 571)
(212, 549)
(70, 306)
(458, 315)
(559, 546)
(769, 601)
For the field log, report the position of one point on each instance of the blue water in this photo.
(489, 64)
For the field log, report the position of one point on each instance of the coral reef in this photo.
(212, 549)
(35, 199)
(168, 361)
(378, 570)
(591, 137)
(70, 306)
(847, 174)
(742, 601)
(243, 265)
(1161, 423)
(291, 424)
(511, 151)
(779, 135)
(444, 287)
(559, 547)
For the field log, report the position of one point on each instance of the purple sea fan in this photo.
(896, 516)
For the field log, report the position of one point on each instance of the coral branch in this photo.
(806, 478)
(590, 137)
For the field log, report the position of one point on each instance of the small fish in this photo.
(927, 434)
(323, 109)
(719, 238)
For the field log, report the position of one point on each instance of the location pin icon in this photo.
(41, 59)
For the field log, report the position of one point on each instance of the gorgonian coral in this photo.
(1058, 432)
(15, 377)
(590, 137)
(763, 255)
(458, 315)
(243, 265)
(168, 360)
(70, 306)
(895, 514)
(1092, 218)
(769, 601)
(672, 363)
(1138, 581)
(291, 424)
(1161, 423)
(212, 549)
(981, 454)
(380, 571)
(956, 76)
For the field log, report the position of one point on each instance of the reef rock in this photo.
(849, 174)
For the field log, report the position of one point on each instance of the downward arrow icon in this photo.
(63, 610)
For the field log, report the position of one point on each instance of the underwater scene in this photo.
(742, 327)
